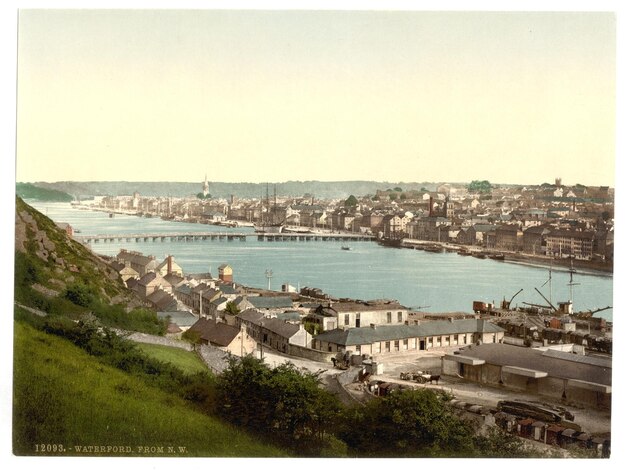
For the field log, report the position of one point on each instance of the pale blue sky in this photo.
(278, 95)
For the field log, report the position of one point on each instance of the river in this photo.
(430, 282)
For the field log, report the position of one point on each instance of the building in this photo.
(125, 272)
(393, 339)
(140, 263)
(228, 338)
(572, 378)
(354, 314)
(271, 304)
(533, 240)
(151, 282)
(181, 318)
(577, 244)
(225, 273)
(508, 237)
(169, 266)
(272, 332)
(477, 233)
(205, 187)
(163, 301)
(67, 228)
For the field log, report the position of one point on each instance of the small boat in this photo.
(346, 248)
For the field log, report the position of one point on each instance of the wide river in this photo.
(431, 282)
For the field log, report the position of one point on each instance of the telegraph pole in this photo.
(268, 275)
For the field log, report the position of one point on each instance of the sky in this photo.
(256, 96)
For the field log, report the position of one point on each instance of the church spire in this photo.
(205, 186)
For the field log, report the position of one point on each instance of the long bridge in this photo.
(242, 236)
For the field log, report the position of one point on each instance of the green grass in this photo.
(62, 396)
(185, 360)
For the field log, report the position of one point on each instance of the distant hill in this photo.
(31, 191)
(316, 189)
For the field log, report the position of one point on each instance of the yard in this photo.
(184, 360)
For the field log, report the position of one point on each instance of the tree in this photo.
(351, 201)
(287, 402)
(483, 186)
(398, 189)
(414, 423)
(231, 308)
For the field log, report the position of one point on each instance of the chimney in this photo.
(430, 206)
(406, 322)
(373, 326)
(451, 319)
(169, 264)
(417, 322)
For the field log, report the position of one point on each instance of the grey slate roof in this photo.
(368, 335)
(251, 315)
(280, 327)
(227, 289)
(220, 334)
(183, 289)
(180, 318)
(289, 316)
(505, 354)
(271, 302)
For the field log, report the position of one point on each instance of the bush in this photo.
(287, 402)
(79, 294)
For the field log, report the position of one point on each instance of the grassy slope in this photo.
(63, 396)
(184, 360)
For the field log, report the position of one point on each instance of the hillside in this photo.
(30, 191)
(63, 396)
(317, 189)
(58, 275)
(100, 390)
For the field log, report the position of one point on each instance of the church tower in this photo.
(205, 187)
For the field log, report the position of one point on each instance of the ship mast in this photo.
(571, 282)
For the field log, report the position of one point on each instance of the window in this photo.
(346, 319)
(456, 339)
(378, 347)
(388, 317)
(396, 345)
(405, 344)
(387, 346)
(358, 349)
(399, 317)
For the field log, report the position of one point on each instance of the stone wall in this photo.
(312, 354)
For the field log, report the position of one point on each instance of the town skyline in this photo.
(271, 96)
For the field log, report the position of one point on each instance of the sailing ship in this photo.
(269, 222)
